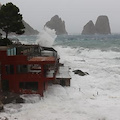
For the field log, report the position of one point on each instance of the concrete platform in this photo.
(63, 77)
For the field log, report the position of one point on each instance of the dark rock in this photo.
(20, 100)
(81, 73)
(89, 28)
(57, 24)
(102, 25)
(61, 64)
(8, 97)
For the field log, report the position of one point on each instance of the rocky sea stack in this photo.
(101, 26)
(89, 28)
(57, 24)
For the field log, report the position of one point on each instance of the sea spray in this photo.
(46, 37)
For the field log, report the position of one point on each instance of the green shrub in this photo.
(5, 42)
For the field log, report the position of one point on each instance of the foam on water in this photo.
(102, 65)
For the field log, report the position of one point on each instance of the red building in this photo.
(27, 68)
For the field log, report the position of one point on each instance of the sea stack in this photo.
(89, 28)
(102, 25)
(57, 24)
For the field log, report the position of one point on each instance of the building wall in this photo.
(14, 78)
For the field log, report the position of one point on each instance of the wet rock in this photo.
(8, 97)
(81, 73)
(61, 64)
(20, 100)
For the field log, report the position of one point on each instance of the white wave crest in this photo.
(46, 37)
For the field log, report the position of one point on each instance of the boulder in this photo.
(102, 25)
(9, 97)
(57, 24)
(89, 28)
(20, 100)
(81, 73)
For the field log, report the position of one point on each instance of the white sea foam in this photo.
(46, 37)
(92, 97)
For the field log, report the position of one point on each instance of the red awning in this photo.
(42, 59)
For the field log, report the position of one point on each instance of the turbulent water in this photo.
(102, 42)
(92, 97)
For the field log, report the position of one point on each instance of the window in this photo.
(11, 51)
(29, 85)
(34, 68)
(9, 69)
(22, 69)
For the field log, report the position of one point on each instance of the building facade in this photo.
(27, 68)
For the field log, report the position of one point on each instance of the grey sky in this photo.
(75, 13)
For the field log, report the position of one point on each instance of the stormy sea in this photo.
(95, 96)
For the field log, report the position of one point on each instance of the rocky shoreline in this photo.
(8, 97)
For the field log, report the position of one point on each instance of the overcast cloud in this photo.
(75, 13)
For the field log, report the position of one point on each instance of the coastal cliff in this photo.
(57, 24)
(28, 29)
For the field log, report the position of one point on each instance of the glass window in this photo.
(9, 69)
(8, 52)
(11, 51)
(22, 69)
(14, 50)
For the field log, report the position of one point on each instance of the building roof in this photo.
(48, 49)
(42, 59)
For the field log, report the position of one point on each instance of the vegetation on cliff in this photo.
(11, 19)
